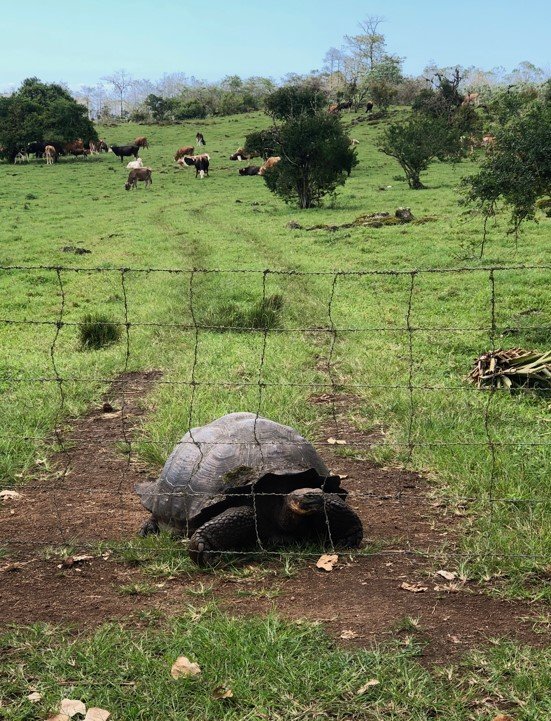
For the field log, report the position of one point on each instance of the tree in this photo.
(160, 108)
(294, 100)
(122, 82)
(368, 47)
(41, 112)
(417, 142)
(316, 157)
(517, 172)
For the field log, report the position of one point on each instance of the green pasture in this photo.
(273, 670)
(399, 344)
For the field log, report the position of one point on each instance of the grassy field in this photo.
(232, 223)
(275, 670)
(399, 343)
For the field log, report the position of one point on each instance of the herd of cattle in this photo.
(185, 157)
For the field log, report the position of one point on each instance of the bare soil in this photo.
(86, 496)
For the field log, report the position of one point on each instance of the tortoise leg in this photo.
(345, 527)
(232, 530)
(149, 528)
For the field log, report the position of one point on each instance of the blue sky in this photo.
(79, 41)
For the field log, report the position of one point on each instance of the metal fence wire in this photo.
(489, 333)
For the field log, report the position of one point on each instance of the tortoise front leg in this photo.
(232, 530)
(339, 523)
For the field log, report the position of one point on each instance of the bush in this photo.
(98, 331)
(189, 110)
(419, 141)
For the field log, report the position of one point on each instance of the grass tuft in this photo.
(98, 331)
(265, 313)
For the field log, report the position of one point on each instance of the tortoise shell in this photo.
(221, 464)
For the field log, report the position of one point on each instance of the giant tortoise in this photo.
(244, 481)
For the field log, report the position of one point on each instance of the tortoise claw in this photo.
(201, 552)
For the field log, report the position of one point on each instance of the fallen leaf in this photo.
(448, 588)
(59, 717)
(70, 707)
(502, 717)
(332, 441)
(448, 575)
(342, 476)
(327, 561)
(348, 634)
(106, 416)
(97, 714)
(369, 684)
(34, 697)
(184, 667)
(10, 496)
(220, 692)
(71, 560)
(454, 639)
(414, 588)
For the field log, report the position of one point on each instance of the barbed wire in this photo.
(66, 442)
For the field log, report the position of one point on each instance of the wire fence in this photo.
(205, 493)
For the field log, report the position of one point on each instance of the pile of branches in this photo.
(512, 368)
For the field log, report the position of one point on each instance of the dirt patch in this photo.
(89, 498)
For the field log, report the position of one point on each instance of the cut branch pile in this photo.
(512, 368)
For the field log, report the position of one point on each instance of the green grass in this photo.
(275, 669)
(186, 223)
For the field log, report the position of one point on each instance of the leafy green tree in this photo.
(517, 171)
(291, 101)
(43, 112)
(316, 158)
(265, 142)
(160, 108)
(417, 142)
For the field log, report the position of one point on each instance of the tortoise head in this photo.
(305, 501)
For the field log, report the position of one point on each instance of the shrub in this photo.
(98, 331)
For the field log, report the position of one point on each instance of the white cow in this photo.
(135, 164)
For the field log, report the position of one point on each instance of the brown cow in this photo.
(270, 162)
(188, 150)
(471, 99)
(141, 142)
(138, 174)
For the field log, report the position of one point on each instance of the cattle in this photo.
(353, 141)
(124, 151)
(200, 139)
(141, 142)
(269, 163)
(337, 107)
(103, 147)
(77, 149)
(50, 154)
(138, 174)
(369, 106)
(250, 170)
(21, 157)
(242, 154)
(471, 99)
(200, 162)
(133, 164)
(188, 150)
